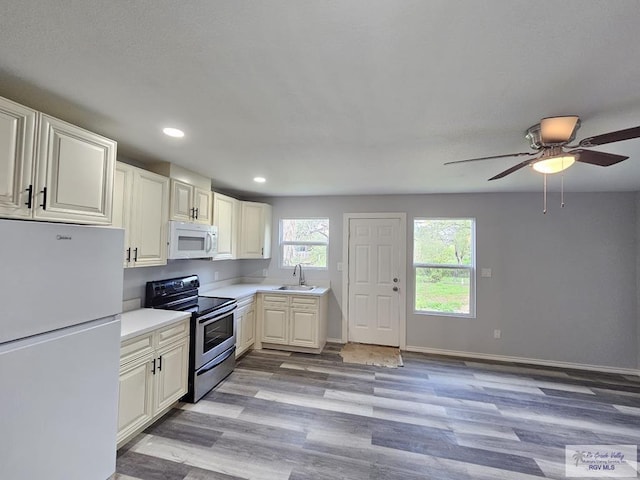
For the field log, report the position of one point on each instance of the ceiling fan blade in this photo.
(557, 130)
(528, 154)
(597, 158)
(511, 170)
(611, 137)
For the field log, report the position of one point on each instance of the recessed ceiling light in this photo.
(259, 179)
(173, 132)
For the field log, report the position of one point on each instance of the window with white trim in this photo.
(444, 266)
(304, 241)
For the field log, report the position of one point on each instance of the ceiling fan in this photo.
(550, 139)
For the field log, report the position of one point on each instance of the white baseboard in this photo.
(532, 361)
(334, 340)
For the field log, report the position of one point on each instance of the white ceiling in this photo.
(331, 97)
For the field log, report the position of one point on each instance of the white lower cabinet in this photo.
(297, 322)
(154, 373)
(245, 324)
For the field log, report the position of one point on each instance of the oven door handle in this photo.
(216, 315)
(219, 360)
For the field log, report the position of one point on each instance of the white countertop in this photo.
(138, 322)
(241, 290)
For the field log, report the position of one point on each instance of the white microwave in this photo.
(192, 240)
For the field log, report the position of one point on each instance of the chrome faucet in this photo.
(301, 280)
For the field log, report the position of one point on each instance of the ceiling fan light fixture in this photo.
(558, 130)
(554, 164)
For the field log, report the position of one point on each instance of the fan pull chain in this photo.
(544, 208)
(561, 190)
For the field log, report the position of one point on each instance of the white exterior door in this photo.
(374, 281)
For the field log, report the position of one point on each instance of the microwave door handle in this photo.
(210, 236)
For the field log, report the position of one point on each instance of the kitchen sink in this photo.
(299, 288)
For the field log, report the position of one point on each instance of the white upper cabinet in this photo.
(181, 201)
(190, 203)
(52, 170)
(74, 178)
(203, 203)
(140, 206)
(255, 230)
(191, 199)
(226, 214)
(17, 137)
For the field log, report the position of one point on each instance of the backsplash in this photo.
(135, 279)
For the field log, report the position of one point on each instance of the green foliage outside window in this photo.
(304, 241)
(443, 261)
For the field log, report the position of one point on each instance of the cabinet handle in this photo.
(262, 251)
(29, 195)
(44, 198)
(135, 254)
(129, 254)
(160, 363)
(153, 368)
(193, 213)
(197, 210)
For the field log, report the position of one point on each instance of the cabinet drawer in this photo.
(304, 301)
(279, 299)
(136, 347)
(173, 332)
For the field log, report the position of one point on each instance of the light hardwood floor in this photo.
(298, 416)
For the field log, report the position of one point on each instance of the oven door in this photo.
(190, 240)
(215, 334)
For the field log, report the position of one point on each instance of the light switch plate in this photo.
(485, 272)
(339, 266)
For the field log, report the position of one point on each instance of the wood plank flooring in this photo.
(300, 416)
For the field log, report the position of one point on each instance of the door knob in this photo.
(395, 289)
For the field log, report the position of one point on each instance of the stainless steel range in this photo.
(213, 339)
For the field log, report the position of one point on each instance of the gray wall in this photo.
(135, 279)
(563, 285)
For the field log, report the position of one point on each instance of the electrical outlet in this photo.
(215, 276)
(485, 272)
(497, 333)
(339, 266)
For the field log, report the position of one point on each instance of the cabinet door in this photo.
(122, 200)
(248, 327)
(135, 404)
(238, 321)
(181, 201)
(17, 139)
(149, 219)
(251, 230)
(203, 200)
(225, 217)
(304, 327)
(75, 169)
(275, 324)
(172, 367)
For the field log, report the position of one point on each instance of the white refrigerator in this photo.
(60, 299)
